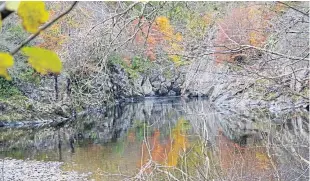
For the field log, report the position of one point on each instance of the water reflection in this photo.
(170, 139)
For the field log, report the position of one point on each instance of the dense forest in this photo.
(62, 60)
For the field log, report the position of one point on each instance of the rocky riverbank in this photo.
(12, 169)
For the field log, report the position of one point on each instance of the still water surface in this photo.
(171, 138)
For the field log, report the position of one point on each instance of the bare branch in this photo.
(123, 12)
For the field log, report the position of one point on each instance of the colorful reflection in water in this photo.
(130, 153)
(166, 139)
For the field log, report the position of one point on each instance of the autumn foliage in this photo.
(166, 153)
(242, 26)
(7, 61)
(159, 35)
(52, 38)
(33, 15)
(235, 159)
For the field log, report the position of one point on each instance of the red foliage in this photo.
(151, 32)
(242, 26)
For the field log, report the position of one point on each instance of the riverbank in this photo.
(12, 169)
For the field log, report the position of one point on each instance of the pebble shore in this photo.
(29, 170)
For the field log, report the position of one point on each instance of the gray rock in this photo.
(147, 88)
(163, 91)
(172, 93)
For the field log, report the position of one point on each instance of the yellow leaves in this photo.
(163, 24)
(33, 15)
(175, 58)
(165, 27)
(176, 48)
(42, 60)
(6, 61)
(173, 38)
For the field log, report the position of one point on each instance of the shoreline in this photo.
(13, 169)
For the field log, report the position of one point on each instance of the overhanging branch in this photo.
(33, 36)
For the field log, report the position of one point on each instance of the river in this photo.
(167, 139)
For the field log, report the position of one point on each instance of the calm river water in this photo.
(169, 139)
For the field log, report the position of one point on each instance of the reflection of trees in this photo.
(230, 146)
(167, 153)
(243, 161)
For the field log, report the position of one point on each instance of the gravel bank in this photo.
(12, 169)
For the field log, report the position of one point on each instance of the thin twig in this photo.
(275, 53)
(123, 12)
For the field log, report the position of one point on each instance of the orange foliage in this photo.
(169, 152)
(158, 150)
(159, 34)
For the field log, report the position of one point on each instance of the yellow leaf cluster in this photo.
(42, 60)
(175, 58)
(6, 61)
(164, 26)
(173, 38)
(33, 15)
